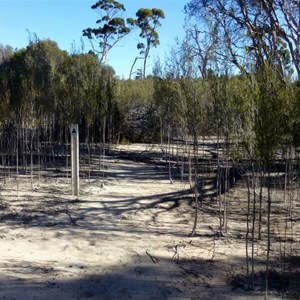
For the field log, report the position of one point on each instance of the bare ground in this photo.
(128, 239)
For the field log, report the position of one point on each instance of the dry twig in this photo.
(154, 259)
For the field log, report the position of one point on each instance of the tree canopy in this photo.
(112, 27)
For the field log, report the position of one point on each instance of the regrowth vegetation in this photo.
(223, 105)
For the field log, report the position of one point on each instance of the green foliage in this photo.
(43, 60)
(182, 105)
(168, 98)
(45, 87)
(112, 28)
(148, 20)
(78, 85)
(134, 92)
(108, 5)
(196, 96)
(17, 75)
(137, 111)
(240, 108)
(4, 88)
(274, 114)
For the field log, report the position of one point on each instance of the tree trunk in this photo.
(248, 227)
(195, 184)
(253, 225)
(268, 233)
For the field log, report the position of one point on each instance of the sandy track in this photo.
(126, 240)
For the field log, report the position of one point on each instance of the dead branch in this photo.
(154, 259)
(72, 220)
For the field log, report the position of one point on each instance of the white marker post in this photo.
(75, 159)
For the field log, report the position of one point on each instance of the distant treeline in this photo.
(46, 89)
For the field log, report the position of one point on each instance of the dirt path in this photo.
(127, 240)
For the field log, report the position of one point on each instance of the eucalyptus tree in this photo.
(18, 101)
(252, 32)
(44, 90)
(148, 20)
(192, 102)
(257, 115)
(273, 120)
(106, 103)
(197, 100)
(41, 63)
(17, 81)
(139, 74)
(4, 81)
(167, 96)
(287, 28)
(112, 27)
(7, 140)
(259, 39)
(32, 94)
(184, 100)
(44, 60)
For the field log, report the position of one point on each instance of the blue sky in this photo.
(64, 20)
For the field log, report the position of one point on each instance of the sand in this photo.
(126, 239)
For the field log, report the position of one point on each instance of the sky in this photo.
(63, 21)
